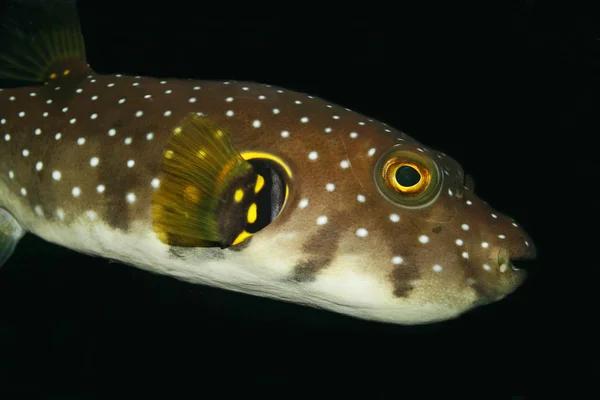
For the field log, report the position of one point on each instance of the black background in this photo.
(509, 90)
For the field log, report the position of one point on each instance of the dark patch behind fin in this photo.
(40, 41)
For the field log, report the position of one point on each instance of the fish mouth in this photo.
(523, 263)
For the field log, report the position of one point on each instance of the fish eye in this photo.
(407, 177)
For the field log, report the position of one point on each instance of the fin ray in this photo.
(38, 38)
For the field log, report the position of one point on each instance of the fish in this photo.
(242, 186)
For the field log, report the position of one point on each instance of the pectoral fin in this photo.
(206, 188)
(10, 234)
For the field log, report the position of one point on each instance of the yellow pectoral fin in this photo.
(206, 187)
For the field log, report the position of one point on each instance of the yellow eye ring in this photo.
(407, 177)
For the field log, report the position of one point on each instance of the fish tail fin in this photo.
(10, 234)
(41, 41)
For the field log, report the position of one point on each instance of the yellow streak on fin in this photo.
(239, 195)
(260, 182)
(252, 213)
(201, 170)
(241, 238)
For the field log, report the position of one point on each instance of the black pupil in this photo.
(407, 176)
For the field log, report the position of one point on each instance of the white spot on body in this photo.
(81, 141)
(397, 260)
(345, 164)
(256, 123)
(361, 198)
(150, 136)
(371, 152)
(91, 215)
(24, 191)
(322, 220)
(437, 268)
(138, 114)
(94, 161)
(56, 175)
(423, 239)
(229, 113)
(128, 140)
(330, 187)
(464, 227)
(313, 155)
(131, 198)
(361, 232)
(39, 165)
(112, 132)
(38, 132)
(60, 214)
(39, 211)
(130, 163)
(76, 191)
(155, 183)
(394, 217)
(285, 134)
(304, 120)
(100, 188)
(25, 153)
(303, 203)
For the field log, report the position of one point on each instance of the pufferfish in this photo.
(242, 186)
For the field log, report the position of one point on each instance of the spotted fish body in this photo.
(82, 160)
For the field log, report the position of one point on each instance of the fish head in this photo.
(394, 230)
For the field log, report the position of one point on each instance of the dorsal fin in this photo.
(41, 41)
